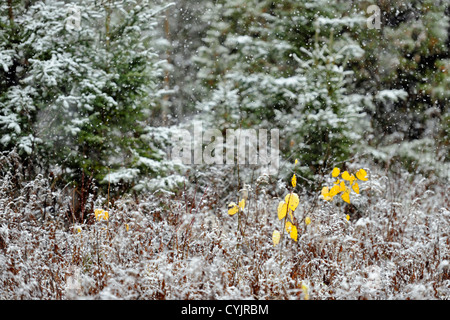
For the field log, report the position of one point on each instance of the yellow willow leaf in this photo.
(294, 180)
(326, 194)
(362, 175)
(294, 233)
(127, 227)
(296, 161)
(288, 226)
(337, 181)
(335, 172)
(346, 176)
(100, 214)
(347, 217)
(232, 208)
(346, 196)
(352, 179)
(97, 213)
(342, 186)
(307, 220)
(276, 237)
(292, 200)
(242, 204)
(282, 210)
(355, 187)
(335, 190)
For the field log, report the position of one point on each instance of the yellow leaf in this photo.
(97, 213)
(100, 214)
(294, 233)
(347, 217)
(296, 161)
(307, 220)
(335, 172)
(355, 187)
(352, 179)
(276, 237)
(362, 175)
(127, 227)
(335, 190)
(282, 210)
(326, 194)
(342, 186)
(346, 196)
(288, 226)
(346, 176)
(294, 180)
(292, 200)
(232, 208)
(242, 204)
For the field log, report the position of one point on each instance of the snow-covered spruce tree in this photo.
(405, 67)
(181, 35)
(79, 84)
(283, 64)
(17, 109)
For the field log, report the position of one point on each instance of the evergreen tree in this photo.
(283, 64)
(405, 68)
(79, 87)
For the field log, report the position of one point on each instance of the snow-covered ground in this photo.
(396, 245)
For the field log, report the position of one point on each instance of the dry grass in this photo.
(396, 246)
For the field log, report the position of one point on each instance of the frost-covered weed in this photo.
(395, 245)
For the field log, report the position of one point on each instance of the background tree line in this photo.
(98, 103)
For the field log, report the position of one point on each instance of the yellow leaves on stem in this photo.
(234, 208)
(292, 230)
(294, 180)
(285, 208)
(292, 201)
(100, 214)
(340, 186)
